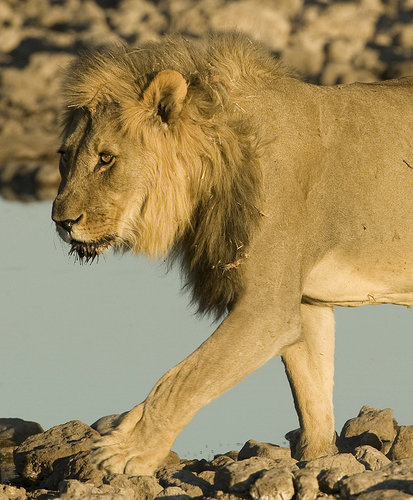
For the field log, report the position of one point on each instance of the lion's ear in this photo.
(165, 95)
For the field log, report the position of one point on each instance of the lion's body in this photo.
(350, 153)
(281, 199)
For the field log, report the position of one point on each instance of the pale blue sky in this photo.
(80, 342)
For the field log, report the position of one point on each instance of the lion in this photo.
(279, 199)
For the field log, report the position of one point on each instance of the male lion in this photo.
(280, 199)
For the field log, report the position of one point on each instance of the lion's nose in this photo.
(68, 224)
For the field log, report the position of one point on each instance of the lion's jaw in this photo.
(97, 231)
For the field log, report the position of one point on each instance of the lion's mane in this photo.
(205, 222)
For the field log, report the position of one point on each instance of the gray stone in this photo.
(76, 466)
(287, 463)
(194, 465)
(221, 461)
(329, 479)
(395, 476)
(208, 476)
(238, 476)
(37, 456)
(405, 36)
(343, 50)
(7, 467)
(256, 449)
(173, 493)
(188, 481)
(342, 461)
(144, 487)
(384, 495)
(371, 458)
(306, 484)
(403, 444)
(13, 431)
(369, 422)
(273, 484)
(76, 490)
(12, 493)
(232, 454)
(265, 23)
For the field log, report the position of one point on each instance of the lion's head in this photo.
(157, 158)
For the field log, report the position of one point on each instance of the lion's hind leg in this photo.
(309, 365)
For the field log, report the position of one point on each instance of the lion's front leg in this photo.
(116, 451)
(242, 343)
(310, 369)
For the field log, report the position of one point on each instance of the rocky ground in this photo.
(326, 41)
(375, 462)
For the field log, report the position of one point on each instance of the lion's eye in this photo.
(106, 158)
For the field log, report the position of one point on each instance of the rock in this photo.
(343, 20)
(403, 444)
(173, 493)
(256, 449)
(401, 69)
(344, 50)
(221, 461)
(329, 480)
(138, 21)
(144, 487)
(404, 37)
(305, 54)
(343, 461)
(369, 59)
(371, 458)
(254, 17)
(238, 476)
(377, 426)
(188, 481)
(39, 454)
(274, 484)
(7, 468)
(384, 495)
(336, 72)
(13, 431)
(306, 484)
(395, 476)
(192, 465)
(77, 466)
(209, 477)
(76, 490)
(232, 454)
(12, 493)
(342, 466)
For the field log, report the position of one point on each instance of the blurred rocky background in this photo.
(324, 41)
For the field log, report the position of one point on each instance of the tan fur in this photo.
(280, 200)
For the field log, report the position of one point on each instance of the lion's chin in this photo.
(88, 251)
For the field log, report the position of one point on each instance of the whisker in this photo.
(88, 252)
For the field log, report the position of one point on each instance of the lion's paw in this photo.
(115, 454)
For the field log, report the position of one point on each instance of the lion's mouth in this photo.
(88, 251)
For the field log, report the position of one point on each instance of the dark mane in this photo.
(215, 244)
